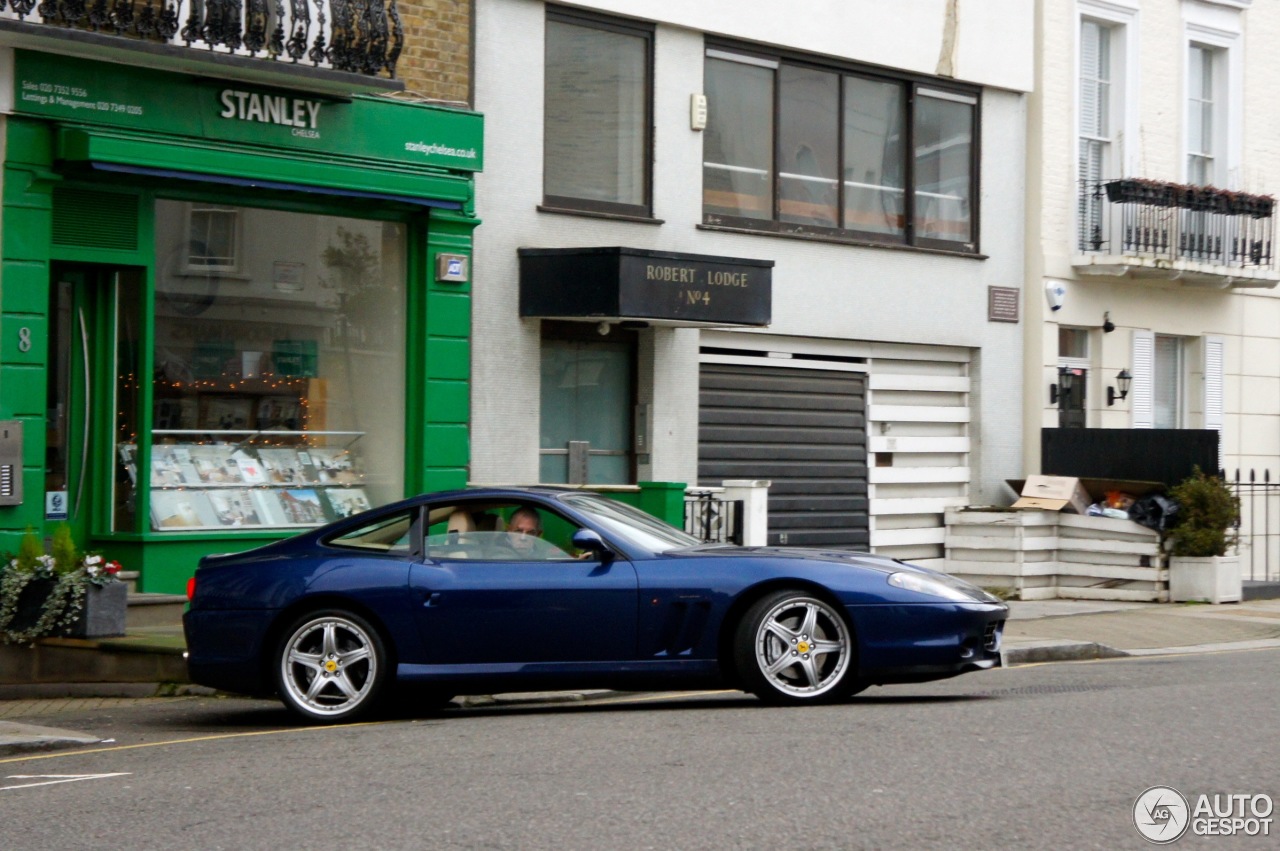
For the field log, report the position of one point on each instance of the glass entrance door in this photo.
(587, 398)
(91, 392)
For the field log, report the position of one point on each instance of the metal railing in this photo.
(359, 36)
(1259, 526)
(1204, 227)
(713, 519)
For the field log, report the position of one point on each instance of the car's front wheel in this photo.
(792, 647)
(331, 666)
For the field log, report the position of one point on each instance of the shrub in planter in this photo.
(1207, 515)
(44, 594)
(1199, 567)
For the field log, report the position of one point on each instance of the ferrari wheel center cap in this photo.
(803, 647)
(331, 665)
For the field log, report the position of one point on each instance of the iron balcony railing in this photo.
(1145, 218)
(358, 36)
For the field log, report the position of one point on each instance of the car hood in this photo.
(843, 558)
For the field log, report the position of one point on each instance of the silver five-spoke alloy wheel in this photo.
(800, 649)
(330, 666)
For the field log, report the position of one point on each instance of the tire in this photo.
(794, 648)
(331, 666)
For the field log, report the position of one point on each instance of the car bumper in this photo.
(224, 649)
(926, 641)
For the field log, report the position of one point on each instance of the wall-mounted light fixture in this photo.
(1123, 380)
(1062, 388)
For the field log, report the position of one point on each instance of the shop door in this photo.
(91, 398)
(587, 398)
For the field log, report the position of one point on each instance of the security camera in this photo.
(1055, 292)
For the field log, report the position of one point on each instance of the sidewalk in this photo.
(1044, 631)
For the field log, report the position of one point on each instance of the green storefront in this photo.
(227, 312)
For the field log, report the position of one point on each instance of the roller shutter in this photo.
(804, 430)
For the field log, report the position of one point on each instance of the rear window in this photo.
(385, 535)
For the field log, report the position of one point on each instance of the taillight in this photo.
(191, 588)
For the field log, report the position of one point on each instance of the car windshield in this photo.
(631, 525)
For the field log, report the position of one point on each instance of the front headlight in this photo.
(933, 586)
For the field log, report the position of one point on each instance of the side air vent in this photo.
(87, 218)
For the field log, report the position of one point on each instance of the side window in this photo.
(488, 531)
(393, 535)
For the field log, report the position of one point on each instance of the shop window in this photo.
(278, 392)
(597, 125)
(835, 162)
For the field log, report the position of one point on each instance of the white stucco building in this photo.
(1177, 289)
(851, 171)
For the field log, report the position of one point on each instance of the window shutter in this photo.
(1141, 390)
(1089, 33)
(1213, 387)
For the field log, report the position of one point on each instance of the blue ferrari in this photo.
(512, 589)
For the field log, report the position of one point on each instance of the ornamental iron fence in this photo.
(358, 36)
(712, 518)
(1259, 525)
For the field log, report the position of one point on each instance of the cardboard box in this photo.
(1054, 493)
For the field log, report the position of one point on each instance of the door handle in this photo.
(433, 600)
(84, 426)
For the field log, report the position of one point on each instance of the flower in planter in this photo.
(44, 594)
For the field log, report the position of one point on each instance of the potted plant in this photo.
(1202, 563)
(61, 593)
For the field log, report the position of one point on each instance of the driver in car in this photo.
(523, 529)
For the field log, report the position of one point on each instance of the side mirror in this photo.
(589, 540)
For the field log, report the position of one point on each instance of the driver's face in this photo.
(522, 530)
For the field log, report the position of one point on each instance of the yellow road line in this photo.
(64, 754)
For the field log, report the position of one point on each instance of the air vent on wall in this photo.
(88, 218)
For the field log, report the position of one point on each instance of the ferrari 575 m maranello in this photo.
(515, 589)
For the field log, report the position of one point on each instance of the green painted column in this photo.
(24, 306)
(439, 454)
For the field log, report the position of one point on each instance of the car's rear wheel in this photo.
(331, 666)
(793, 647)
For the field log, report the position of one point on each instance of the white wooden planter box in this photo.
(1215, 579)
(1041, 555)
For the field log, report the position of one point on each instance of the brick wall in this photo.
(436, 63)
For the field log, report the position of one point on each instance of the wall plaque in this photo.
(1002, 304)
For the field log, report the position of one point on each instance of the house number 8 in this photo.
(24, 339)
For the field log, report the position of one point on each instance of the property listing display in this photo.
(277, 385)
(224, 486)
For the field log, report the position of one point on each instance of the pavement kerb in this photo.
(1035, 652)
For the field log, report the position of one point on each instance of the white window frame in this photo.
(1122, 19)
(237, 238)
(1217, 27)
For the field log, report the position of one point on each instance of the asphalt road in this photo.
(1048, 756)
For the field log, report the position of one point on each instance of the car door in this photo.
(479, 602)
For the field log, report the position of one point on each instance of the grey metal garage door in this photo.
(805, 430)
